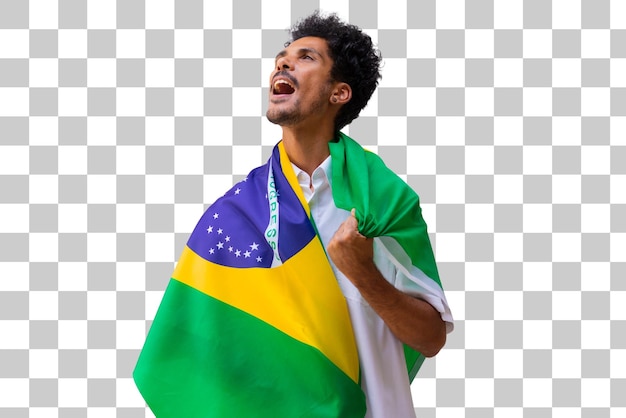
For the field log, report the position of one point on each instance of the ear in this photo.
(342, 93)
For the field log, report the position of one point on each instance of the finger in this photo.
(351, 222)
(344, 230)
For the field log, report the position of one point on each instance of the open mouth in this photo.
(282, 86)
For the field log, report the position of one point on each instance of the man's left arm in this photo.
(413, 321)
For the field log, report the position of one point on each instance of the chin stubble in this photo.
(295, 114)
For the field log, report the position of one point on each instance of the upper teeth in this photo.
(282, 82)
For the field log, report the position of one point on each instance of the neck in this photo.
(307, 148)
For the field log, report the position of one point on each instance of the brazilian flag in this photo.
(253, 322)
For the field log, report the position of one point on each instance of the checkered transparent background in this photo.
(120, 121)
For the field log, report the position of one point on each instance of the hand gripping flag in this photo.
(386, 207)
(253, 322)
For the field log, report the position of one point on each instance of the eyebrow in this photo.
(300, 51)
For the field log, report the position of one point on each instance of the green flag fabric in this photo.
(388, 208)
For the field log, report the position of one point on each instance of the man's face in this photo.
(300, 85)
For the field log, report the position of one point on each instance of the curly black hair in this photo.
(356, 60)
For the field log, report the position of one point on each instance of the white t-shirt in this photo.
(384, 377)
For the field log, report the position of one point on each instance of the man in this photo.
(338, 262)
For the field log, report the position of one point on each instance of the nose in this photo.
(283, 63)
